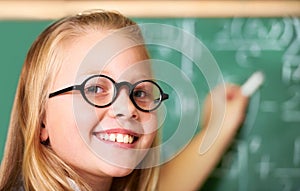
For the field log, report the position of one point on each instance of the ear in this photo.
(44, 136)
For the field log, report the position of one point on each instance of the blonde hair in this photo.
(28, 162)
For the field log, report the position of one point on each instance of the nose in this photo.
(123, 106)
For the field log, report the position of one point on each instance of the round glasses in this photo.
(101, 91)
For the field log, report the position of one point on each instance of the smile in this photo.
(116, 137)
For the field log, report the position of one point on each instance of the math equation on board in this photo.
(266, 152)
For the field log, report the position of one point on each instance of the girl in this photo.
(94, 133)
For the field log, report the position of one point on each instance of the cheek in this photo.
(149, 122)
(63, 134)
(69, 126)
(86, 117)
(150, 128)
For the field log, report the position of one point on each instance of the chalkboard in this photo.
(265, 154)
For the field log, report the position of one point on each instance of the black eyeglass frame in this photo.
(117, 86)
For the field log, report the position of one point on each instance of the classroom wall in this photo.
(265, 155)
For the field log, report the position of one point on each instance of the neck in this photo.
(100, 184)
(97, 183)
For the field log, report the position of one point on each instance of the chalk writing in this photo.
(272, 45)
(255, 144)
(291, 107)
(291, 57)
(296, 159)
(269, 106)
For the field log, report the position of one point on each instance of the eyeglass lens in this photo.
(101, 91)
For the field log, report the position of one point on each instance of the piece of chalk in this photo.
(253, 83)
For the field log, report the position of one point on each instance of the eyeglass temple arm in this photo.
(76, 87)
(165, 96)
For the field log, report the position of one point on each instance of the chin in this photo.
(119, 172)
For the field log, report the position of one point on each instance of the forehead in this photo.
(131, 62)
(95, 53)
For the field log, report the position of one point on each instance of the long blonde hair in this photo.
(28, 162)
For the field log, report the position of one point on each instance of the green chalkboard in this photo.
(265, 154)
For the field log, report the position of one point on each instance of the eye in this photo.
(140, 94)
(94, 90)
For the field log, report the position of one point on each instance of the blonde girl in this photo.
(44, 150)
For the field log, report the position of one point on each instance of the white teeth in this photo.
(130, 139)
(120, 138)
(125, 139)
(106, 137)
(112, 137)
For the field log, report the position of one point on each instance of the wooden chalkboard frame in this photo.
(44, 10)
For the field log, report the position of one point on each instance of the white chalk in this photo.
(253, 83)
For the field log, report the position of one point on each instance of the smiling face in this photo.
(108, 141)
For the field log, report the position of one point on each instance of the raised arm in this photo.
(189, 170)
